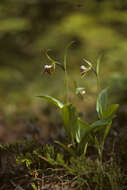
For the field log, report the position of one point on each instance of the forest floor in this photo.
(30, 160)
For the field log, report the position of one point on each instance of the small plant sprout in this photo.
(79, 133)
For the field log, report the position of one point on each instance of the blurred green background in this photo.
(27, 27)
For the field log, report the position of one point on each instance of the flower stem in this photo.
(66, 73)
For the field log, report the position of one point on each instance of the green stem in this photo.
(98, 80)
(66, 77)
(98, 83)
(66, 74)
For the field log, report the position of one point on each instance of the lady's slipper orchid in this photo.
(84, 69)
(48, 69)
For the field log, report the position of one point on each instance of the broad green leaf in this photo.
(83, 124)
(85, 129)
(99, 123)
(101, 104)
(70, 120)
(85, 133)
(110, 111)
(82, 129)
(53, 100)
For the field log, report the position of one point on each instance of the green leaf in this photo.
(86, 129)
(83, 127)
(110, 111)
(99, 123)
(101, 104)
(83, 124)
(69, 115)
(53, 100)
(98, 65)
